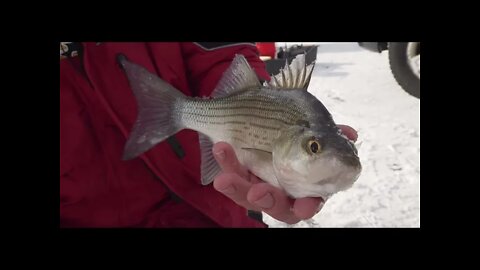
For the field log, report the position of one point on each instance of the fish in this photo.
(279, 131)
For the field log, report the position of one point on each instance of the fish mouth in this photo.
(351, 160)
(336, 184)
(346, 153)
(354, 145)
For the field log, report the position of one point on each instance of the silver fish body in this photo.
(279, 131)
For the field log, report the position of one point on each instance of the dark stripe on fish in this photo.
(241, 114)
(264, 126)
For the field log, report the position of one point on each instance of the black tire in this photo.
(404, 75)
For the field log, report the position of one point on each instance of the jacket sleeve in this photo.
(207, 61)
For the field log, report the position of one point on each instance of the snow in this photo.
(358, 88)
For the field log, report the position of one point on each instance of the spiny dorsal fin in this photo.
(294, 76)
(237, 77)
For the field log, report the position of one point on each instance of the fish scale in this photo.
(252, 115)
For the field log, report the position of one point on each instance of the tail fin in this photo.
(156, 101)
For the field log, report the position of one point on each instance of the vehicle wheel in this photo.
(404, 60)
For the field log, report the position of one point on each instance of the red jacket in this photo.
(97, 112)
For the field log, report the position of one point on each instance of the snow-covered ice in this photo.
(358, 88)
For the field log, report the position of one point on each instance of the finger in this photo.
(349, 132)
(234, 187)
(306, 208)
(272, 201)
(227, 159)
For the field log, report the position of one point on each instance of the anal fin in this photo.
(209, 166)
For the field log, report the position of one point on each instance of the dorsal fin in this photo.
(237, 77)
(294, 76)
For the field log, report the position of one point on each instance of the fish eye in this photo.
(314, 146)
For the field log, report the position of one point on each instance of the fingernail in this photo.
(220, 154)
(266, 201)
(229, 190)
